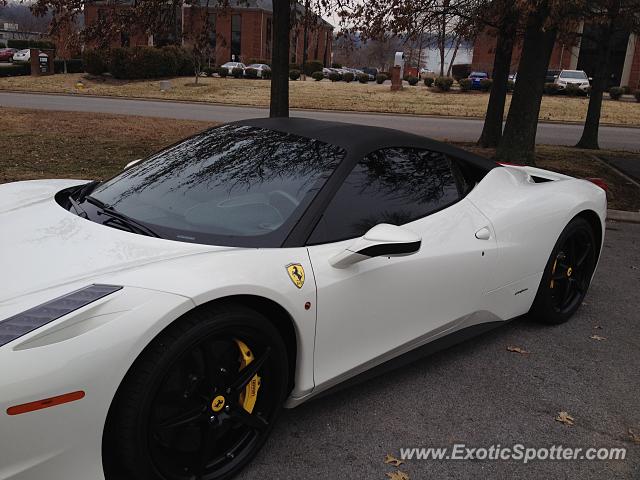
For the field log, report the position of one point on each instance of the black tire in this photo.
(567, 275)
(164, 423)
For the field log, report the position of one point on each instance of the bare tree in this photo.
(65, 33)
(607, 18)
(198, 38)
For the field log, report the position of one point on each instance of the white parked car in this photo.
(153, 325)
(22, 56)
(260, 67)
(573, 77)
(231, 65)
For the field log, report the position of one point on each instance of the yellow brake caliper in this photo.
(250, 394)
(553, 271)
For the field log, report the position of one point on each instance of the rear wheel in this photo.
(567, 274)
(201, 399)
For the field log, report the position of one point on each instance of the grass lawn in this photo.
(322, 95)
(96, 146)
(38, 144)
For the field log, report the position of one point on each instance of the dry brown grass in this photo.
(321, 95)
(79, 145)
(90, 145)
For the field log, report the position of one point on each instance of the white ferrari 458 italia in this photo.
(152, 326)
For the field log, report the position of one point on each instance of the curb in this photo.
(623, 216)
(266, 107)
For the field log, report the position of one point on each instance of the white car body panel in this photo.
(388, 297)
(353, 322)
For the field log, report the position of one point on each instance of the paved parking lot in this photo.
(480, 394)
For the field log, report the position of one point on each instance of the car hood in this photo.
(44, 247)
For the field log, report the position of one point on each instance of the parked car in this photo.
(513, 77)
(155, 323)
(425, 72)
(327, 71)
(476, 78)
(6, 54)
(22, 56)
(573, 77)
(260, 67)
(551, 76)
(372, 72)
(231, 65)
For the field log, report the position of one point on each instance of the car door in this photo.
(378, 308)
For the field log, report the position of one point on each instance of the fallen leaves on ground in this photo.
(564, 417)
(635, 437)
(597, 337)
(519, 350)
(398, 475)
(391, 460)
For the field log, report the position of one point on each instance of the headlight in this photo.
(36, 317)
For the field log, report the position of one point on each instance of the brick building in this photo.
(625, 57)
(243, 30)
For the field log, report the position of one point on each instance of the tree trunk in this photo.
(589, 138)
(453, 56)
(441, 43)
(518, 141)
(279, 106)
(305, 40)
(492, 129)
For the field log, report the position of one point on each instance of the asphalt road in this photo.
(479, 394)
(453, 129)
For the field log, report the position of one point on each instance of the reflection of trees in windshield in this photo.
(229, 158)
(393, 185)
(398, 217)
(232, 185)
(412, 176)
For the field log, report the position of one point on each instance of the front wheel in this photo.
(567, 274)
(200, 401)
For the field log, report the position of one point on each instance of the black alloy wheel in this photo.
(201, 400)
(568, 273)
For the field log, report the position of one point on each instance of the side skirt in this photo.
(404, 359)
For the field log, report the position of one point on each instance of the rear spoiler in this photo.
(541, 175)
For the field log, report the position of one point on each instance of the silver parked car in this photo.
(231, 65)
(573, 77)
(261, 67)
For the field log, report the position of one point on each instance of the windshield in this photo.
(233, 185)
(576, 75)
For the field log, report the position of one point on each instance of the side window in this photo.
(393, 185)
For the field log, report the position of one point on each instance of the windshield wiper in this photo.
(85, 189)
(76, 206)
(120, 217)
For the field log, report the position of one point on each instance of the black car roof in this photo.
(358, 140)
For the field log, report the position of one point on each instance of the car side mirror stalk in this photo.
(383, 240)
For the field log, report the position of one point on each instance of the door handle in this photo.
(483, 234)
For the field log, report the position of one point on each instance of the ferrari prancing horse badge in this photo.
(296, 274)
